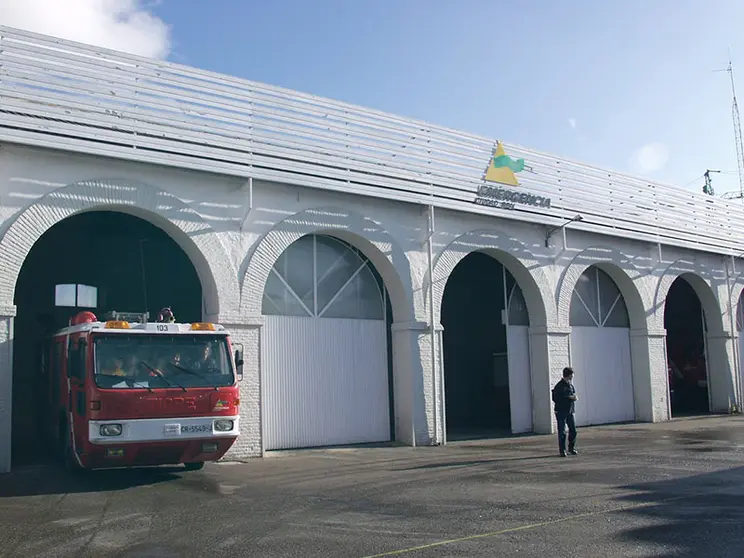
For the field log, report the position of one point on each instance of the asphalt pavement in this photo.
(672, 489)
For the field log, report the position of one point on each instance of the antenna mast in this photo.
(737, 137)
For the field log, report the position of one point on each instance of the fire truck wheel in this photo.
(197, 466)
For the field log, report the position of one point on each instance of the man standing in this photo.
(564, 397)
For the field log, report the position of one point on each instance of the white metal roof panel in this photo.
(64, 95)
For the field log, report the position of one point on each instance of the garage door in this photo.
(600, 351)
(518, 351)
(324, 362)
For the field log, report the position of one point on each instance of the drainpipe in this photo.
(732, 321)
(432, 329)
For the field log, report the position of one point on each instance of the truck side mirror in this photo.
(239, 360)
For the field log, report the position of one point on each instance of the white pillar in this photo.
(6, 386)
(413, 384)
(250, 442)
(650, 374)
(549, 355)
(721, 366)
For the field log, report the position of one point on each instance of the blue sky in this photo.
(595, 81)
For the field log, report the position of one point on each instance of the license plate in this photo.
(196, 428)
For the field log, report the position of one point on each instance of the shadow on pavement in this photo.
(49, 479)
(701, 515)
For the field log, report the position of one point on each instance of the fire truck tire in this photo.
(196, 466)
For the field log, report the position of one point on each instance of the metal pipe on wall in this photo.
(432, 329)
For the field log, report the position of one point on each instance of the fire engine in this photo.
(128, 392)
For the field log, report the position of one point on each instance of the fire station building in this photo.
(389, 279)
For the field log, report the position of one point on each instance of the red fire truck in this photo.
(127, 392)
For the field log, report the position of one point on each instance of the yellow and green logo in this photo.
(502, 168)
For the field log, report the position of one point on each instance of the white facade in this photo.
(237, 216)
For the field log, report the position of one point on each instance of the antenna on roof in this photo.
(708, 187)
(737, 136)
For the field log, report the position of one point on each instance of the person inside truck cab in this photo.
(206, 360)
(177, 359)
(115, 367)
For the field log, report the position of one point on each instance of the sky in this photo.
(628, 86)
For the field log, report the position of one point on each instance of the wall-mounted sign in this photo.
(503, 170)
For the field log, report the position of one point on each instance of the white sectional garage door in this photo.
(600, 351)
(324, 362)
(518, 355)
(520, 382)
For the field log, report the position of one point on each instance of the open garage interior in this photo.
(486, 351)
(600, 350)
(326, 348)
(684, 321)
(98, 261)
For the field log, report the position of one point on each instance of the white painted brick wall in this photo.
(425, 429)
(248, 443)
(233, 247)
(411, 383)
(659, 378)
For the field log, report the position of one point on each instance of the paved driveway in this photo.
(674, 489)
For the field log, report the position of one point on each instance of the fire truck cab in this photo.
(127, 392)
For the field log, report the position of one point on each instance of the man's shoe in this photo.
(573, 452)
(563, 453)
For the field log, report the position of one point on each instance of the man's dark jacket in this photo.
(562, 393)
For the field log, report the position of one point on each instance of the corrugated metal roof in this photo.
(64, 95)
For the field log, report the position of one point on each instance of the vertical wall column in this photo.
(549, 354)
(250, 442)
(721, 367)
(650, 374)
(414, 382)
(6, 386)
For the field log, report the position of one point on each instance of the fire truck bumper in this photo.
(149, 442)
(154, 453)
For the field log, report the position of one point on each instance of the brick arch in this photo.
(164, 210)
(737, 289)
(699, 278)
(620, 269)
(513, 255)
(721, 369)
(369, 237)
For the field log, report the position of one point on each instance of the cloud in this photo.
(572, 123)
(125, 25)
(650, 158)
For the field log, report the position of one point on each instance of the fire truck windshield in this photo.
(160, 361)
